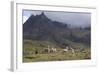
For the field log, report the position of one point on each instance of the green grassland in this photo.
(31, 47)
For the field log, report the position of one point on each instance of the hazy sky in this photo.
(71, 18)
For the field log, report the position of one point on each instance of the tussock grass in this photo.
(30, 48)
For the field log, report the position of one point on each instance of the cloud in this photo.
(27, 13)
(71, 18)
(25, 18)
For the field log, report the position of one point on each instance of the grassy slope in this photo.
(30, 47)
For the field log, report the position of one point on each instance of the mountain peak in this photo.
(42, 13)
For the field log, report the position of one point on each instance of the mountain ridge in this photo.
(41, 28)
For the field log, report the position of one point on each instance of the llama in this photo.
(66, 49)
(47, 49)
(72, 50)
(69, 48)
(53, 49)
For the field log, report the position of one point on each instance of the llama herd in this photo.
(54, 50)
(50, 49)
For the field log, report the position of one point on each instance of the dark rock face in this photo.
(40, 27)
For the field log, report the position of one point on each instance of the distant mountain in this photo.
(41, 28)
